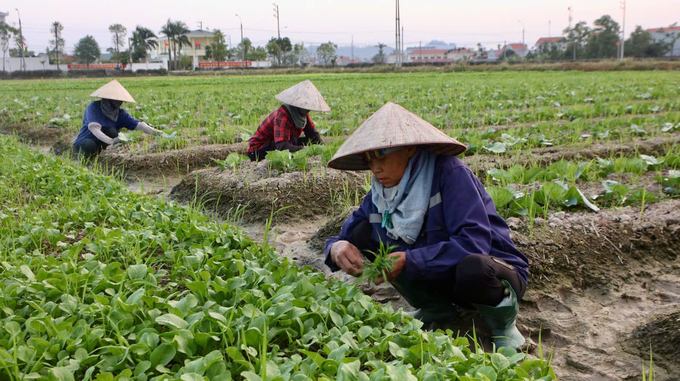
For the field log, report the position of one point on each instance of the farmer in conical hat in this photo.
(282, 129)
(453, 249)
(103, 120)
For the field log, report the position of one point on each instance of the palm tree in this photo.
(180, 38)
(169, 31)
(143, 38)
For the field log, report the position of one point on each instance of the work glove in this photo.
(115, 142)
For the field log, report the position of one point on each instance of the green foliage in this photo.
(102, 283)
(280, 159)
(232, 161)
(381, 265)
(326, 52)
(218, 47)
(87, 50)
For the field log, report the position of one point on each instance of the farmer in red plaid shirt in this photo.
(282, 129)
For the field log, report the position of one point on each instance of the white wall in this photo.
(34, 64)
(662, 37)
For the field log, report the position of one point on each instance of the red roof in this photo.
(516, 46)
(667, 29)
(543, 40)
(429, 51)
(417, 60)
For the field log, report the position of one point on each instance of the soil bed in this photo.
(544, 156)
(596, 280)
(153, 165)
(662, 336)
(304, 195)
(37, 135)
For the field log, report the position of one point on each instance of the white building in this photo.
(198, 39)
(559, 42)
(662, 34)
(2, 17)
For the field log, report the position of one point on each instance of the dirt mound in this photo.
(662, 337)
(331, 228)
(171, 162)
(317, 192)
(38, 135)
(547, 155)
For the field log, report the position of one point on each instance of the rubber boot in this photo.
(430, 308)
(501, 319)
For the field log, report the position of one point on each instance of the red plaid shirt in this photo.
(277, 127)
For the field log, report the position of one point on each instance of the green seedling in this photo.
(382, 265)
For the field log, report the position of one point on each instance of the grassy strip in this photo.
(98, 282)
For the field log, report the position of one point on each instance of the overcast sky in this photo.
(465, 23)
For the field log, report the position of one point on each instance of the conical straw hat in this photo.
(113, 90)
(392, 126)
(304, 95)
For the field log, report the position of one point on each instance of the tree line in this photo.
(602, 40)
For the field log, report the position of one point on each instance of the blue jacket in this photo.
(93, 113)
(461, 221)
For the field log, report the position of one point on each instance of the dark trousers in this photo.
(261, 153)
(477, 278)
(92, 146)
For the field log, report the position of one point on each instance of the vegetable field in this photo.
(98, 282)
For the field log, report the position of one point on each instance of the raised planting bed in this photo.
(262, 190)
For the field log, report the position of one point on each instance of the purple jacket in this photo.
(461, 221)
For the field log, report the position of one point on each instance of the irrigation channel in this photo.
(603, 286)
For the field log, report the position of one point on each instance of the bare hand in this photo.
(347, 257)
(400, 263)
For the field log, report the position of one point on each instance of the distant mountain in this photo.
(360, 52)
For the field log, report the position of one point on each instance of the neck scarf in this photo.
(404, 207)
(109, 110)
(298, 115)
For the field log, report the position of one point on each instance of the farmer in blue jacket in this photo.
(103, 120)
(453, 249)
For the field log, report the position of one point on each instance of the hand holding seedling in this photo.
(399, 259)
(347, 257)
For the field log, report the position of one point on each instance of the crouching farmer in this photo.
(453, 249)
(103, 120)
(282, 129)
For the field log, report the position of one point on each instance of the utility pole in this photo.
(200, 25)
(420, 50)
(570, 9)
(401, 38)
(520, 21)
(352, 50)
(129, 53)
(397, 42)
(276, 14)
(623, 28)
(23, 50)
(243, 51)
(549, 28)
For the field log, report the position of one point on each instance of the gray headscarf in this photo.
(110, 110)
(299, 115)
(404, 206)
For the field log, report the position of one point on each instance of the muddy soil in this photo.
(598, 280)
(295, 195)
(662, 336)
